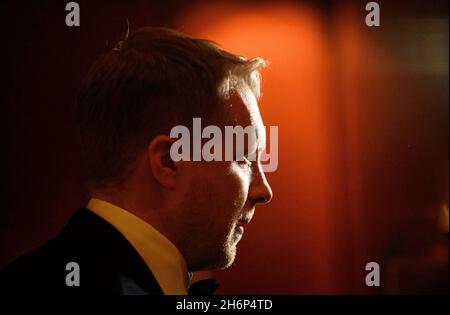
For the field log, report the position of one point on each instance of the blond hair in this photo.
(152, 80)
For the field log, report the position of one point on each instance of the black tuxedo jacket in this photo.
(108, 264)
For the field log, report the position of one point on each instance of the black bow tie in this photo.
(203, 287)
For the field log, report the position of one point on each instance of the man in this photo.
(152, 220)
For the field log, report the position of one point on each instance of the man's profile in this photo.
(151, 220)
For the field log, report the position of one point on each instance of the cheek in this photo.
(224, 186)
(239, 184)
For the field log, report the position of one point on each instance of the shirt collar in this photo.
(160, 255)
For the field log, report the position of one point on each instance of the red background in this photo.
(363, 133)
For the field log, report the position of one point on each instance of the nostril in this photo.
(263, 199)
(268, 196)
(260, 200)
(260, 191)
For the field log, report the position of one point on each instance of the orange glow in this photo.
(294, 98)
(331, 88)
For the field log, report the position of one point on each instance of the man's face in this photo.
(219, 197)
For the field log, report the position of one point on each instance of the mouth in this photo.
(241, 224)
(239, 229)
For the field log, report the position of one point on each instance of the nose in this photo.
(260, 191)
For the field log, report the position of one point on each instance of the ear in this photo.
(162, 166)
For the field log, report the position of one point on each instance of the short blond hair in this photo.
(152, 80)
(248, 71)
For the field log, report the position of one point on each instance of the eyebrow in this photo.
(259, 149)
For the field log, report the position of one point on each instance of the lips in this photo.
(245, 218)
(239, 229)
(243, 222)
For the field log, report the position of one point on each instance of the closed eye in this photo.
(245, 162)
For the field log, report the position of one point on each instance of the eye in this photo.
(245, 163)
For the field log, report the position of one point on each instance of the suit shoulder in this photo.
(35, 270)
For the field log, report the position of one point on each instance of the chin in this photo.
(218, 255)
(224, 259)
(229, 256)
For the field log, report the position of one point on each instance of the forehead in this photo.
(242, 108)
